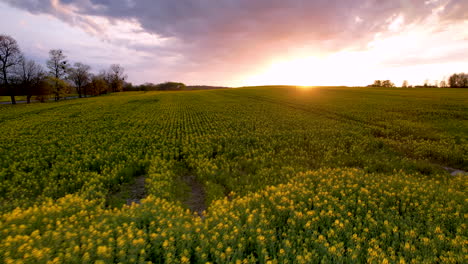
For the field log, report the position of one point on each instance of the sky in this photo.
(249, 42)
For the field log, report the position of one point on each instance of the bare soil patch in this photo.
(137, 190)
(196, 199)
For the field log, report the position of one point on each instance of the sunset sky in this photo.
(249, 42)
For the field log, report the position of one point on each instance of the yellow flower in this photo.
(165, 243)
(228, 250)
(184, 259)
(103, 251)
(407, 246)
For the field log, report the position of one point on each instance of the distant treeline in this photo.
(169, 86)
(20, 76)
(456, 80)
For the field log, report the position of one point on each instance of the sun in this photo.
(341, 68)
(299, 72)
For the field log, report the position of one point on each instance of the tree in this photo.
(377, 83)
(30, 76)
(388, 84)
(405, 84)
(128, 86)
(60, 88)
(116, 78)
(58, 67)
(426, 83)
(80, 76)
(43, 89)
(57, 64)
(168, 86)
(9, 57)
(458, 80)
(453, 80)
(464, 80)
(97, 86)
(443, 84)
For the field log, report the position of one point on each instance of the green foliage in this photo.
(458, 80)
(168, 86)
(96, 86)
(58, 87)
(332, 175)
(383, 83)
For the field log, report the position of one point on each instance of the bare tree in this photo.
(405, 84)
(426, 83)
(29, 75)
(9, 57)
(443, 84)
(116, 77)
(57, 65)
(80, 76)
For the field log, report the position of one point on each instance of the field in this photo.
(8, 99)
(22, 99)
(250, 175)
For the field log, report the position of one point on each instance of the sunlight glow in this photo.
(343, 68)
(306, 87)
(381, 60)
(399, 53)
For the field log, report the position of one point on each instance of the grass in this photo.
(23, 98)
(8, 98)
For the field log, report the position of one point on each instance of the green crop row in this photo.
(260, 156)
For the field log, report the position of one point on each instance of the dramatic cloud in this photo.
(242, 35)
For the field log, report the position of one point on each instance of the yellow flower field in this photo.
(326, 175)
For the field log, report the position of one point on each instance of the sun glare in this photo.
(337, 69)
(303, 87)
(293, 72)
(381, 59)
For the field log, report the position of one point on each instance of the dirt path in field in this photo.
(137, 190)
(196, 200)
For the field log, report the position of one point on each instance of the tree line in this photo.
(166, 86)
(169, 86)
(459, 80)
(24, 77)
(456, 80)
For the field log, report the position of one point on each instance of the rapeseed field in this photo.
(287, 175)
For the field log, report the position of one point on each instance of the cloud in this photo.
(224, 25)
(449, 57)
(235, 34)
(455, 10)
